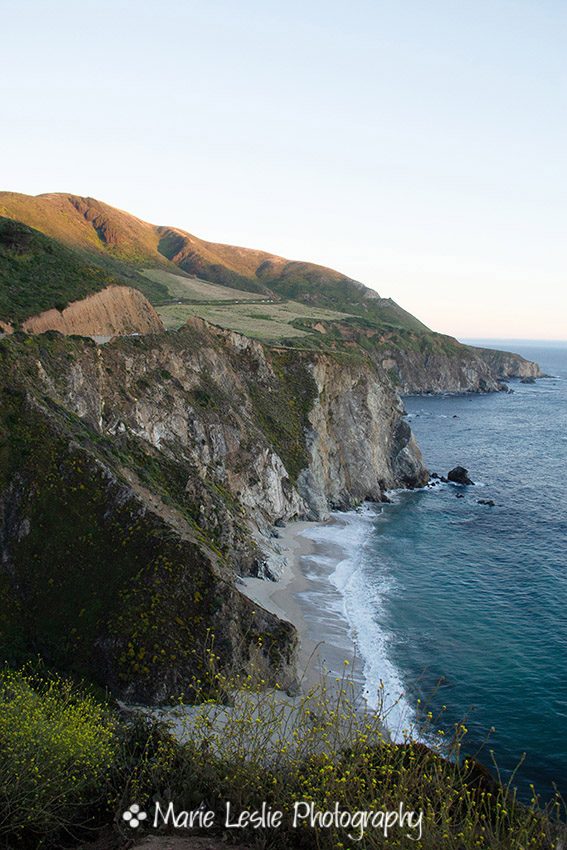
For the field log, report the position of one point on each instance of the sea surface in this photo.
(463, 606)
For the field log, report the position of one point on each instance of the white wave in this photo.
(363, 607)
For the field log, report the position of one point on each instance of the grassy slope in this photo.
(115, 241)
(263, 321)
(126, 245)
(191, 289)
(37, 273)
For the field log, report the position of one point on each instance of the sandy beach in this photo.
(305, 596)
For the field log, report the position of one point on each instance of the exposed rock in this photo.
(163, 463)
(506, 365)
(459, 475)
(358, 441)
(114, 310)
(528, 380)
(442, 365)
(490, 502)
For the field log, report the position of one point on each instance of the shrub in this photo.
(323, 748)
(66, 763)
(57, 745)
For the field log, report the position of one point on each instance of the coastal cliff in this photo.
(140, 478)
(59, 248)
(441, 364)
(358, 443)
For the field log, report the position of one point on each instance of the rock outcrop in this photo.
(114, 310)
(460, 475)
(359, 444)
(506, 365)
(449, 367)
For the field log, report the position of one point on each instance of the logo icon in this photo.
(133, 815)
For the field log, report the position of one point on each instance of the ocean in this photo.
(460, 608)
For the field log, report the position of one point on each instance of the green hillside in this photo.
(57, 248)
(37, 273)
(126, 247)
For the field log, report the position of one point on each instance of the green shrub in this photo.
(67, 764)
(57, 746)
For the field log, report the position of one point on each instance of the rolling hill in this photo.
(59, 248)
(127, 246)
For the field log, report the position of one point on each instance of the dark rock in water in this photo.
(460, 495)
(455, 416)
(459, 475)
(434, 475)
(528, 380)
(279, 523)
(490, 502)
(444, 480)
(385, 499)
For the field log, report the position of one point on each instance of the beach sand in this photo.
(306, 597)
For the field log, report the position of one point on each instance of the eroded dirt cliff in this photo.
(114, 310)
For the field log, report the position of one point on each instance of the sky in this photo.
(420, 147)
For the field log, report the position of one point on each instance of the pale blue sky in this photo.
(417, 145)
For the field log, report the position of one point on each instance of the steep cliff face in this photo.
(137, 479)
(506, 365)
(453, 368)
(416, 362)
(286, 433)
(359, 445)
(115, 310)
(106, 578)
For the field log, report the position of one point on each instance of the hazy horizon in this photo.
(524, 341)
(420, 150)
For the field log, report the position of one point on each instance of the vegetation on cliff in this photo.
(136, 477)
(135, 482)
(70, 766)
(37, 273)
(109, 568)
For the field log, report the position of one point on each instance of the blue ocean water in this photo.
(466, 605)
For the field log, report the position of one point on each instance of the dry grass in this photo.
(195, 289)
(268, 321)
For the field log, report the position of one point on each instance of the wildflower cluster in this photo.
(324, 747)
(66, 760)
(57, 747)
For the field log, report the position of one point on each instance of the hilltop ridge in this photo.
(128, 244)
(69, 247)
